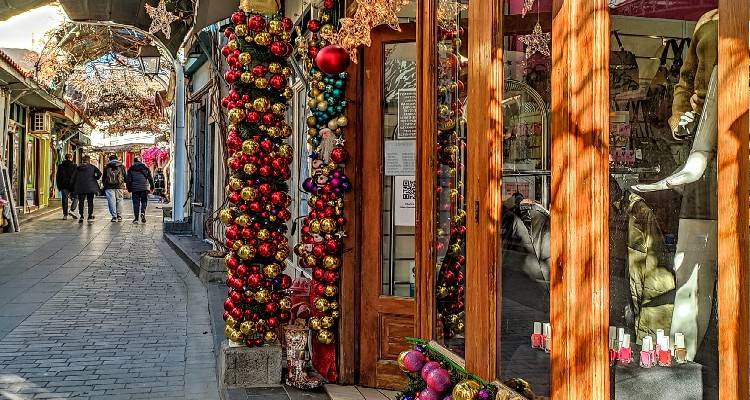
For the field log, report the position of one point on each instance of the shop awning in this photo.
(212, 11)
(24, 89)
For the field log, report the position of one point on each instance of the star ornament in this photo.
(537, 42)
(161, 19)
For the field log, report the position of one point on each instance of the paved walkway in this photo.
(101, 311)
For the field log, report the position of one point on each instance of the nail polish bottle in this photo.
(659, 336)
(680, 352)
(647, 352)
(612, 343)
(665, 353)
(547, 332)
(626, 353)
(537, 339)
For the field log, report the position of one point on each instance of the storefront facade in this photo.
(566, 176)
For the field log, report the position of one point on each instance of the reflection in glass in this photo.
(450, 150)
(663, 232)
(399, 183)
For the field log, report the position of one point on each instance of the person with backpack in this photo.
(63, 178)
(113, 179)
(85, 184)
(140, 183)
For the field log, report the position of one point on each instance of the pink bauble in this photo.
(439, 380)
(429, 394)
(427, 368)
(414, 361)
(332, 60)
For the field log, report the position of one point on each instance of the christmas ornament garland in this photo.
(323, 229)
(450, 150)
(259, 159)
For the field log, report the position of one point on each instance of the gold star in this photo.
(161, 19)
(537, 42)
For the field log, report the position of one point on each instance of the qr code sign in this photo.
(409, 189)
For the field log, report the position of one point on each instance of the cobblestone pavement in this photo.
(101, 311)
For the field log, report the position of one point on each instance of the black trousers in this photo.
(89, 198)
(140, 201)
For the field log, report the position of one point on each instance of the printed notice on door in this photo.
(400, 157)
(407, 114)
(405, 200)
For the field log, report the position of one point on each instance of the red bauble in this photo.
(234, 198)
(287, 24)
(236, 164)
(232, 231)
(264, 188)
(266, 250)
(314, 25)
(229, 76)
(284, 316)
(265, 170)
(332, 246)
(228, 305)
(328, 4)
(247, 233)
(286, 281)
(233, 263)
(339, 155)
(266, 145)
(284, 214)
(318, 250)
(330, 276)
(280, 49)
(439, 380)
(241, 271)
(318, 274)
(269, 118)
(225, 316)
(253, 117)
(312, 51)
(260, 70)
(225, 51)
(332, 60)
(236, 313)
(277, 81)
(256, 23)
(273, 322)
(414, 361)
(254, 280)
(278, 198)
(232, 60)
(238, 17)
(236, 297)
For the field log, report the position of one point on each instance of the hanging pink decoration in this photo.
(154, 156)
(527, 6)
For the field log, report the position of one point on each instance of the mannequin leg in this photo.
(695, 276)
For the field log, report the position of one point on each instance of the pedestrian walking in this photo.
(86, 185)
(140, 183)
(160, 185)
(64, 180)
(113, 180)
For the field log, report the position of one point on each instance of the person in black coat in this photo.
(85, 183)
(140, 183)
(64, 178)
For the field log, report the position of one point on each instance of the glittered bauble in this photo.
(466, 390)
(325, 336)
(429, 394)
(332, 60)
(439, 380)
(427, 368)
(411, 361)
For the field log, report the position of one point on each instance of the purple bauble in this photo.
(335, 181)
(309, 186)
(346, 186)
(336, 174)
(420, 348)
(429, 394)
(414, 361)
(427, 368)
(448, 397)
(483, 394)
(439, 380)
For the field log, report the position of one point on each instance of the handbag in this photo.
(623, 69)
(660, 93)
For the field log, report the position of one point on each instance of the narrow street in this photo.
(101, 311)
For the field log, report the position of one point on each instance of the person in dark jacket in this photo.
(86, 185)
(113, 179)
(140, 183)
(64, 178)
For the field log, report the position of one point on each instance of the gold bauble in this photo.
(330, 290)
(286, 36)
(333, 305)
(459, 327)
(286, 130)
(262, 296)
(226, 216)
(245, 58)
(322, 105)
(326, 322)
(270, 337)
(317, 76)
(330, 262)
(315, 226)
(321, 85)
(230, 321)
(326, 30)
(265, 7)
(453, 319)
(442, 291)
(286, 71)
(228, 330)
(286, 150)
(274, 68)
(236, 115)
(288, 93)
(311, 121)
(335, 314)
(238, 245)
(327, 225)
(281, 256)
(278, 108)
(246, 77)
(271, 270)
(314, 323)
(466, 390)
(263, 39)
(242, 220)
(235, 336)
(285, 303)
(275, 27)
(247, 328)
(321, 304)
(249, 194)
(263, 234)
(400, 361)
(250, 169)
(260, 104)
(261, 82)
(241, 31)
(233, 45)
(325, 336)
(246, 252)
(250, 147)
(311, 261)
(235, 184)
(342, 120)
(312, 103)
(274, 132)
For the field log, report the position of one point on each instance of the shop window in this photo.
(663, 200)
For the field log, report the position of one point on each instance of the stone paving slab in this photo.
(101, 311)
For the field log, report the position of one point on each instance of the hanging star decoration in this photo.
(537, 42)
(447, 13)
(161, 19)
(527, 6)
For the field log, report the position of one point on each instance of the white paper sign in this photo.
(400, 157)
(404, 201)
(407, 114)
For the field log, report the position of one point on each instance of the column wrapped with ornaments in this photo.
(259, 161)
(323, 229)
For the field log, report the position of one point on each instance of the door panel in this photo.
(387, 306)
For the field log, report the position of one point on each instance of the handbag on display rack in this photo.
(660, 93)
(623, 69)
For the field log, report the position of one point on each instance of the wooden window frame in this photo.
(580, 193)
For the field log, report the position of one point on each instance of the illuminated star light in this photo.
(537, 42)
(161, 19)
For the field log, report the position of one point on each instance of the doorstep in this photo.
(338, 392)
(189, 248)
(275, 393)
(36, 214)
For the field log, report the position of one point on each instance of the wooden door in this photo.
(387, 304)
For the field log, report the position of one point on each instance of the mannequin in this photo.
(695, 262)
